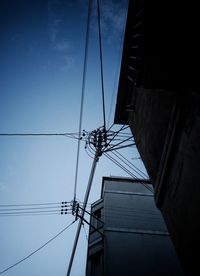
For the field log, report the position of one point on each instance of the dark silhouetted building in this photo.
(158, 97)
(128, 235)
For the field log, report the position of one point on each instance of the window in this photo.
(97, 219)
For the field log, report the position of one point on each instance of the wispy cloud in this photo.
(54, 25)
(68, 62)
(58, 41)
(113, 17)
(62, 45)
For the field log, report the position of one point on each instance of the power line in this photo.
(101, 64)
(35, 209)
(110, 127)
(91, 214)
(120, 165)
(65, 134)
(116, 146)
(117, 132)
(7, 212)
(129, 164)
(128, 171)
(32, 214)
(39, 204)
(31, 204)
(29, 211)
(82, 94)
(121, 147)
(31, 208)
(35, 251)
(44, 212)
(109, 140)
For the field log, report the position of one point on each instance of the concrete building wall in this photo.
(135, 240)
(158, 97)
(139, 254)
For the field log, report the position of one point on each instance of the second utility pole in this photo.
(96, 159)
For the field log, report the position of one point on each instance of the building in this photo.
(127, 233)
(158, 97)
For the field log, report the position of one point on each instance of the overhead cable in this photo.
(129, 164)
(26, 205)
(31, 214)
(128, 171)
(61, 208)
(117, 132)
(35, 251)
(35, 209)
(116, 146)
(64, 134)
(32, 204)
(101, 63)
(32, 208)
(82, 94)
(93, 215)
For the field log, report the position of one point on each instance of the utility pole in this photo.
(98, 142)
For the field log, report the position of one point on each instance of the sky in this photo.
(41, 68)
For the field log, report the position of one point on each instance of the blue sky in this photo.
(41, 67)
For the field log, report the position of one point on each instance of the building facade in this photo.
(158, 97)
(127, 235)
